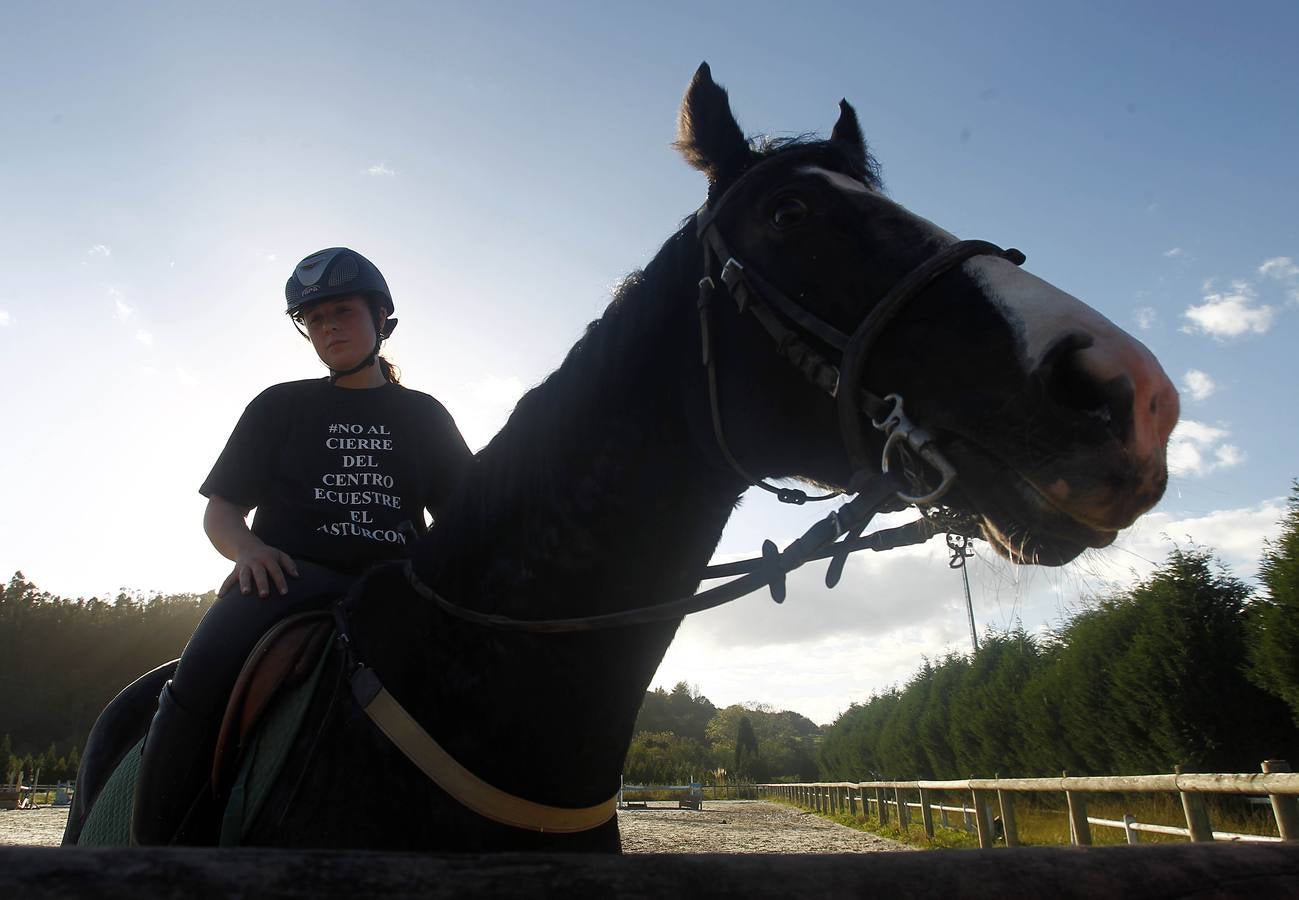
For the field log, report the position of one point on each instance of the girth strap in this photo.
(466, 787)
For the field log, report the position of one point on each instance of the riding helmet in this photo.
(335, 272)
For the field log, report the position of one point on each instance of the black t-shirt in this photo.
(334, 472)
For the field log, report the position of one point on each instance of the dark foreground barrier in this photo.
(1199, 871)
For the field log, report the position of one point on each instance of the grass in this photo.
(1043, 820)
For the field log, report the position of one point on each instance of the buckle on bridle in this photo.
(901, 430)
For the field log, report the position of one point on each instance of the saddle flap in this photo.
(283, 658)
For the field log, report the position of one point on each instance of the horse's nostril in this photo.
(1075, 379)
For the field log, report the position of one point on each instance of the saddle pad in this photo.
(266, 755)
(109, 821)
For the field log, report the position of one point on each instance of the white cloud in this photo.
(1229, 314)
(5, 318)
(1146, 317)
(1279, 267)
(1198, 384)
(144, 337)
(1228, 455)
(99, 250)
(1174, 253)
(121, 309)
(1196, 449)
(380, 169)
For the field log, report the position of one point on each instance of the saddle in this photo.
(283, 659)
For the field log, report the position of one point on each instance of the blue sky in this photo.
(164, 165)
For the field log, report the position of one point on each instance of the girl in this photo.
(340, 471)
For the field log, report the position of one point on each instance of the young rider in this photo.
(340, 471)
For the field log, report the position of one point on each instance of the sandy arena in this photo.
(722, 826)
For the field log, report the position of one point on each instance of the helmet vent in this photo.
(345, 271)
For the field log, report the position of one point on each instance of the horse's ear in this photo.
(847, 135)
(707, 134)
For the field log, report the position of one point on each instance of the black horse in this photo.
(609, 486)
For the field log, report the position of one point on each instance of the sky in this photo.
(163, 166)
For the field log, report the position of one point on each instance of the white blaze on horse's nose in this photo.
(1118, 367)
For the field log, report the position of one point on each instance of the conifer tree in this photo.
(1274, 617)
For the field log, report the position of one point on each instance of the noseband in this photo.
(770, 305)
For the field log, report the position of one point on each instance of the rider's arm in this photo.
(256, 563)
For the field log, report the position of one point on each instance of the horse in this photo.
(799, 307)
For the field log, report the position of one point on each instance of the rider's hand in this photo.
(261, 565)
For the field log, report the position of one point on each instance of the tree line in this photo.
(681, 737)
(62, 660)
(1191, 667)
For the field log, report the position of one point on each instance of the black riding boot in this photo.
(174, 772)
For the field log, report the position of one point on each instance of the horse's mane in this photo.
(606, 368)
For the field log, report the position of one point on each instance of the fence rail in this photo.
(1276, 781)
(693, 794)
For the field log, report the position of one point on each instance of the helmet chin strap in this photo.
(335, 374)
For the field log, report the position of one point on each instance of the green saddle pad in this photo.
(109, 822)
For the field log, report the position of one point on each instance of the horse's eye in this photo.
(789, 212)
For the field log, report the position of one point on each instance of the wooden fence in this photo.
(1276, 782)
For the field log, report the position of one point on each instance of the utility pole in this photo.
(959, 546)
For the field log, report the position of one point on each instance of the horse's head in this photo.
(1055, 420)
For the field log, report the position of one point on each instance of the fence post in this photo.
(1197, 814)
(942, 814)
(1284, 806)
(926, 813)
(1128, 831)
(884, 807)
(1009, 828)
(1080, 831)
(852, 800)
(904, 814)
(983, 819)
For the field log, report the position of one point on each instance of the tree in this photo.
(63, 660)
(1139, 681)
(1274, 617)
(746, 751)
(1180, 680)
(665, 758)
(683, 711)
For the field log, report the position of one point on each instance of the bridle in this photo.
(789, 324)
(839, 534)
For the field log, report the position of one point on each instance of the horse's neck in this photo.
(625, 512)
